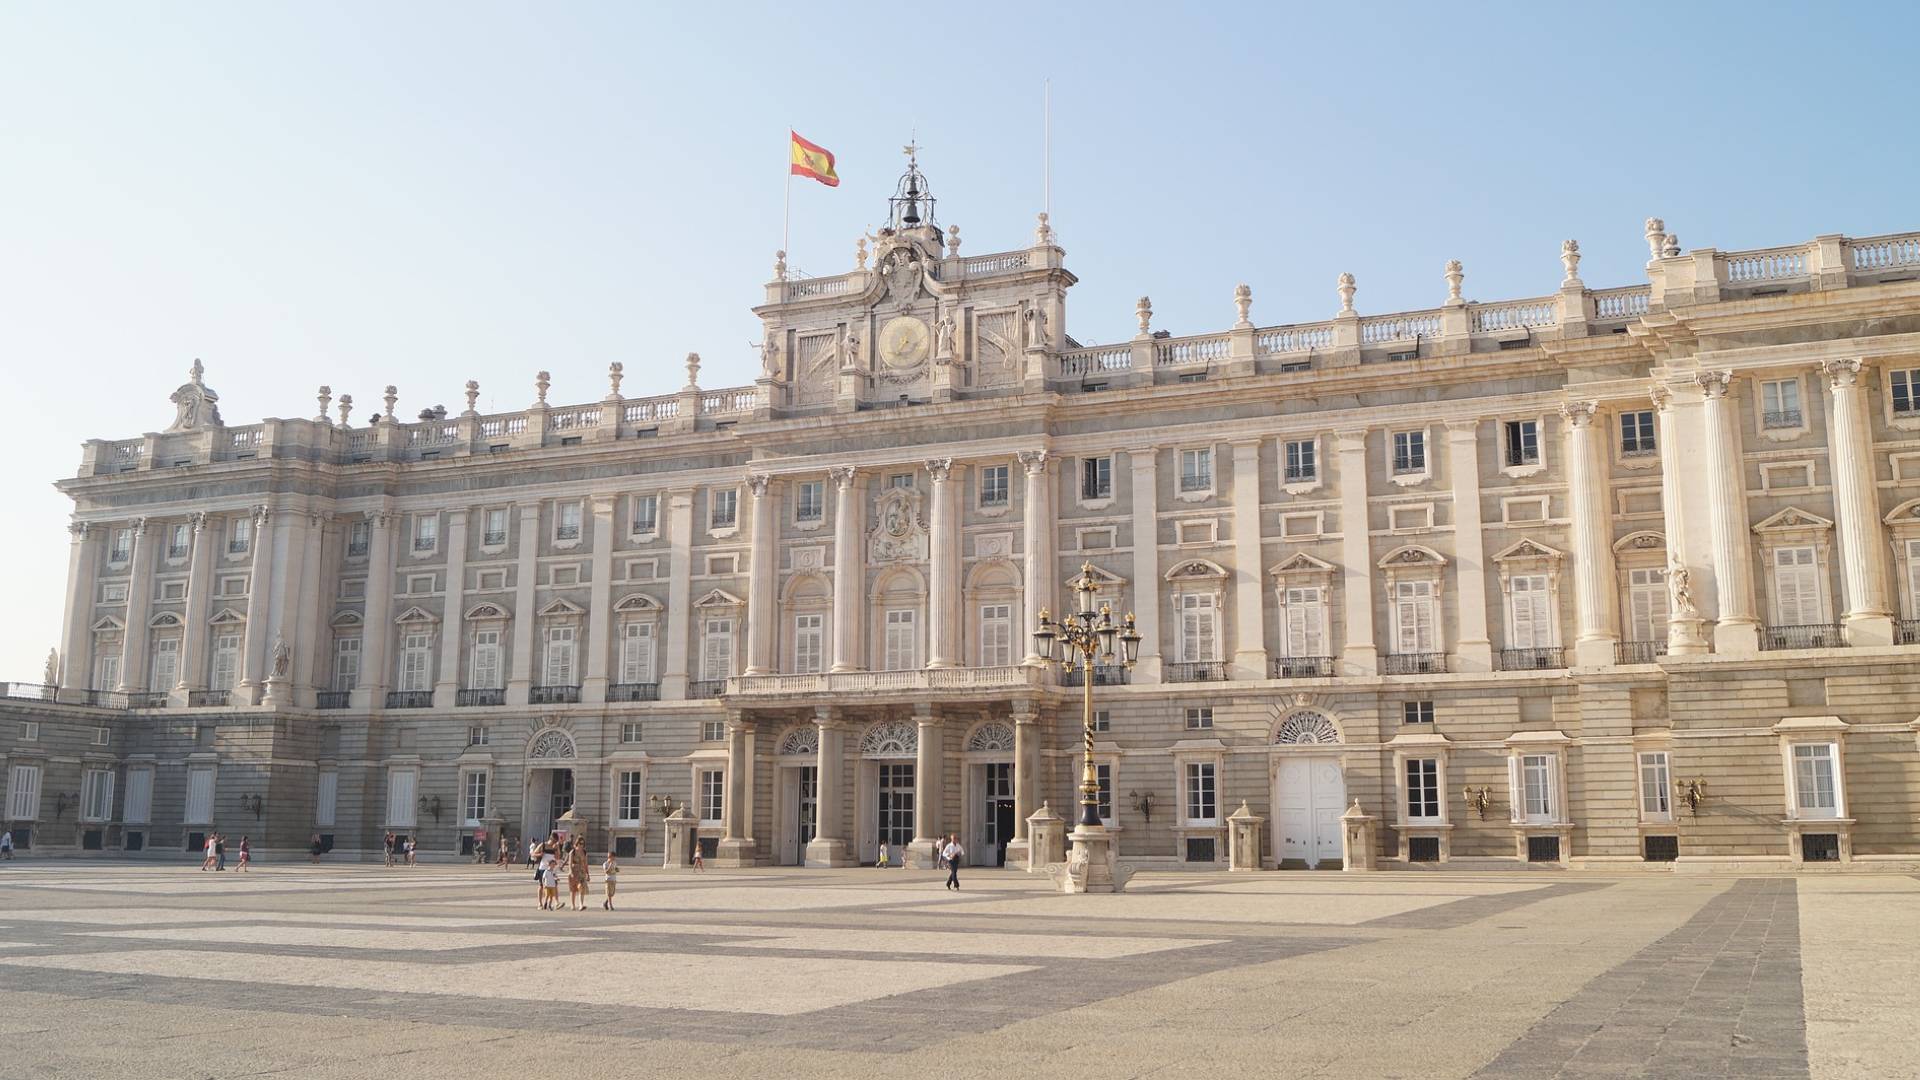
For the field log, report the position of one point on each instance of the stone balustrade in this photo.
(840, 683)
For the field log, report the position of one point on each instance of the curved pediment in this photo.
(484, 611)
(1644, 540)
(165, 618)
(1906, 513)
(1189, 569)
(1412, 555)
(347, 618)
(637, 602)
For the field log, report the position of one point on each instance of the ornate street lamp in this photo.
(1077, 642)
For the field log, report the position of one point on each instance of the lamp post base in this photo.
(1093, 864)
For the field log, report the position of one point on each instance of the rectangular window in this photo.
(1647, 604)
(477, 736)
(23, 794)
(633, 804)
(1413, 622)
(809, 501)
(996, 635)
(1196, 470)
(1523, 442)
(415, 662)
(199, 808)
(106, 670)
(1656, 786)
(900, 641)
(178, 542)
(240, 537)
(1423, 789)
(646, 514)
(900, 480)
(121, 549)
(630, 732)
(1305, 615)
(1103, 774)
(326, 797)
(566, 521)
(713, 731)
(716, 651)
(713, 794)
(1636, 433)
(474, 798)
(401, 785)
(1201, 806)
(723, 508)
(1200, 718)
(1815, 793)
(359, 539)
(1409, 451)
(1302, 462)
(1102, 720)
(139, 806)
(1096, 478)
(1530, 613)
(426, 532)
(346, 663)
(1780, 403)
(224, 672)
(96, 795)
(1796, 587)
(493, 531)
(809, 644)
(165, 673)
(559, 665)
(1536, 787)
(113, 592)
(993, 486)
(636, 652)
(484, 672)
(1416, 712)
(1199, 636)
(1905, 386)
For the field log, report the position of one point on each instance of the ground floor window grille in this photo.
(1820, 847)
(1543, 849)
(1200, 849)
(1660, 848)
(1423, 849)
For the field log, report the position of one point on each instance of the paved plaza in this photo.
(150, 971)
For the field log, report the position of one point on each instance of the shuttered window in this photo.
(900, 639)
(23, 794)
(809, 643)
(166, 664)
(414, 657)
(1199, 628)
(1647, 604)
(486, 660)
(226, 662)
(326, 798)
(996, 635)
(96, 795)
(1796, 587)
(199, 809)
(1413, 617)
(1530, 618)
(716, 653)
(139, 807)
(1306, 615)
(1815, 793)
(559, 666)
(636, 652)
(346, 663)
(401, 784)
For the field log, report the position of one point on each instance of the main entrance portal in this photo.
(549, 796)
(1309, 794)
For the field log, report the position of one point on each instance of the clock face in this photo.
(903, 341)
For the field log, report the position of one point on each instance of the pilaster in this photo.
(829, 845)
(377, 618)
(849, 570)
(1738, 630)
(1358, 656)
(1037, 534)
(1869, 615)
(929, 759)
(446, 687)
(599, 644)
(76, 639)
(193, 636)
(943, 550)
(1249, 616)
(678, 618)
(736, 846)
(526, 620)
(310, 635)
(1142, 463)
(133, 661)
(763, 567)
(1475, 647)
(259, 605)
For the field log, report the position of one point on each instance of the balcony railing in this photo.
(147, 699)
(1808, 636)
(1907, 632)
(1414, 663)
(199, 699)
(553, 695)
(634, 691)
(1198, 671)
(1302, 667)
(332, 699)
(1103, 675)
(27, 691)
(409, 699)
(1530, 659)
(1302, 474)
(480, 696)
(1639, 652)
(105, 699)
(1781, 418)
(706, 688)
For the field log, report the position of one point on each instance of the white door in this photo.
(1308, 798)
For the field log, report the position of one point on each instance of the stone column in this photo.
(259, 607)
(452, 635)
(377, 616)
(943, 567)
(1249, 614)
(1141, 463)
(309, 631)
(1738, 630)
(1026, 776)
(1359, 656)
(289, 557)
(1869, 614)
(829, 844)
(1595, 613)
(76, 637)
(599, 644)
(1036, 556)
(526, 621)
(679, 616)
(193, 638)
(849, 570)
(133, 657)
(928, 761)
(736, 847)
(1474, 649)
(1683, 633)
(763, 570)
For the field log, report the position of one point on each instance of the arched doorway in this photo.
(1309, 789)
(797, 793)
(549, 780)
(988, 754)
(885, 805)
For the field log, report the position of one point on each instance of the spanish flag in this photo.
(812, 160)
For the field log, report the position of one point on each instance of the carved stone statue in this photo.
(1036, 328)
(1680, 585)
(943, 335)
(52, 673)
(770, 356)
(852, 359)
(282, 658)
(195, 404)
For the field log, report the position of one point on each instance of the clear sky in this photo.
(419, 194)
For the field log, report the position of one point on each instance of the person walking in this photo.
(206, 861)
(219, 852)
(883, 855)
(314, 847)
(952, 853)
(577, 879)
(413, 850)
(246, 856)
(386, 846)
(699, 859)
(611, 868)
(6, 846)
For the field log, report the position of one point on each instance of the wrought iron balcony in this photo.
(147, 699)
(409, 699)
(553, 695)
(1414, 663)
(1103, 675)
(1197, 671)
(1808, 636)
(706, 688)
(480, 696)
(197, 699)
(1906, 632)
(332, 699)
(634, 691)
(1302, 667)
(1530, 659)
(105, 699)
(27, 691)
(1639, 652)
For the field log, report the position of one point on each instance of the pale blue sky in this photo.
(419, 194)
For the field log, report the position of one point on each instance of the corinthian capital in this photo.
(842, 476)
(940, 469)
(1842, 373)
(1034, 461)
(1579, 413)
(1660, 396)
(1714, 384)
(78, 530)
(757, 484)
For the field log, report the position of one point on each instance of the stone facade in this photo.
(1602, 576)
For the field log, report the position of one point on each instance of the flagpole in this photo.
(1046, 155)
(786, 213)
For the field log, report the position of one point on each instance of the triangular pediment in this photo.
(718, 598)
(562, 606)
(226, 616)
(1301, 563)
(1526, 549)
(107, 622)
(1793, 518)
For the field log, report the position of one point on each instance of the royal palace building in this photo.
(1621, 576)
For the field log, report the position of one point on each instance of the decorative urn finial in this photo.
(616, 371)
(1346, 290)
(1144, 312)
(473, 396)
(326, 399)
(1570, 258)
(346, 409)
(1243, 304)
(693, 371)
(1455, 275)
(392, 395)
(541, 380)
(1656, 237)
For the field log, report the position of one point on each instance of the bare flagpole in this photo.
(1046, 169)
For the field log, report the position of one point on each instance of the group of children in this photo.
(554, 858)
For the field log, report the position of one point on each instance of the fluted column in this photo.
(829, 844)
(599, 644)
(1141, 465)
(526, 620)
(76, 639)
(1595, 615)
(764, 559)
(133, 659)
(849, 569)
(928, 758)
(1474, 649)
(1359, 656)
(1026, 771)
(446, 688)
(193, 638)
(1737, 631)
(943, 550)
(1869, 615)
(259, 604)
(1036, 549)
(1249, 614)
(736, 847)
